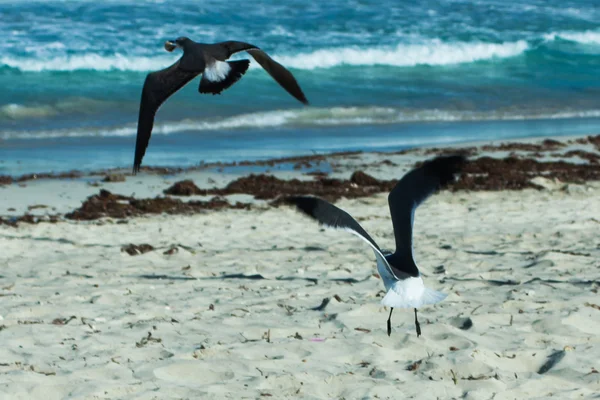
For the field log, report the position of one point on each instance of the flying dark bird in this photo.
(217, 75)
(401, 277)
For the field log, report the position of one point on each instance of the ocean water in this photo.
(380, 75)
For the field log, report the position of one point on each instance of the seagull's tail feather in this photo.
(410, 293)
(431, 296)
(216, 79)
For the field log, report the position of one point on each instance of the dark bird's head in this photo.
(180, 42)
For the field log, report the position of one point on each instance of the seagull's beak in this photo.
(170, 45)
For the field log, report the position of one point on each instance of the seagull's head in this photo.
(180, 42)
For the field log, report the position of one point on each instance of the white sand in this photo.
(262, 339)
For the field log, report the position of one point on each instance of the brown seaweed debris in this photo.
(268, 187)
(483, 173)
(534, 148)
(584, 155)
(388, 162)
(511, 173)
(62, 175)
(552, 143)
(184, 188)
(296, 159)
(595, 140)
(271, 162)
(107, 204)
(103, 204)
(406, 151)
(164, 170)
(362, 179)
(447, 151)
(319, 174)
(134, 249)
(5, 180)
(546, 145)
(36, 206)
(114, 178)
(302, 165)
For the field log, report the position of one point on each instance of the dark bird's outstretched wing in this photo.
(158, 87)
(414, 187)
(277, 71)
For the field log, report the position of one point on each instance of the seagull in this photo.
(217, 75)
(401, 277)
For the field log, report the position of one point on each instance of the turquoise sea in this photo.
(380, 75)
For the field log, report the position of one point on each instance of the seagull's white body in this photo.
(409, 292)
(405, 292)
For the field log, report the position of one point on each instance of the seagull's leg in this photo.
(417, 324)
(389, 322)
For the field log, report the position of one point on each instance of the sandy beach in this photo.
(204, 300)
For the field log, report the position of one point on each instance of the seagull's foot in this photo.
(417, 325)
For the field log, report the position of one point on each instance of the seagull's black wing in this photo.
(333, 217)
(414, 187)
(277, 71)
(329, 215)
(158, 87)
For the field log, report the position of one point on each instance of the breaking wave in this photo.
(406, 55)
(88, 62)
(324, 117)
(586, 37)
(433, 52)
(15, 111)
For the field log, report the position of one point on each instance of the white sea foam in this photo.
(94, 62)
(75, 105)
(336, 116)
(18, 111)
(586, 37)
(433, 52)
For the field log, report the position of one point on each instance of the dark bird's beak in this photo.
(170, 45)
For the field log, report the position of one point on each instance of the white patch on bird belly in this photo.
(217, 71)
